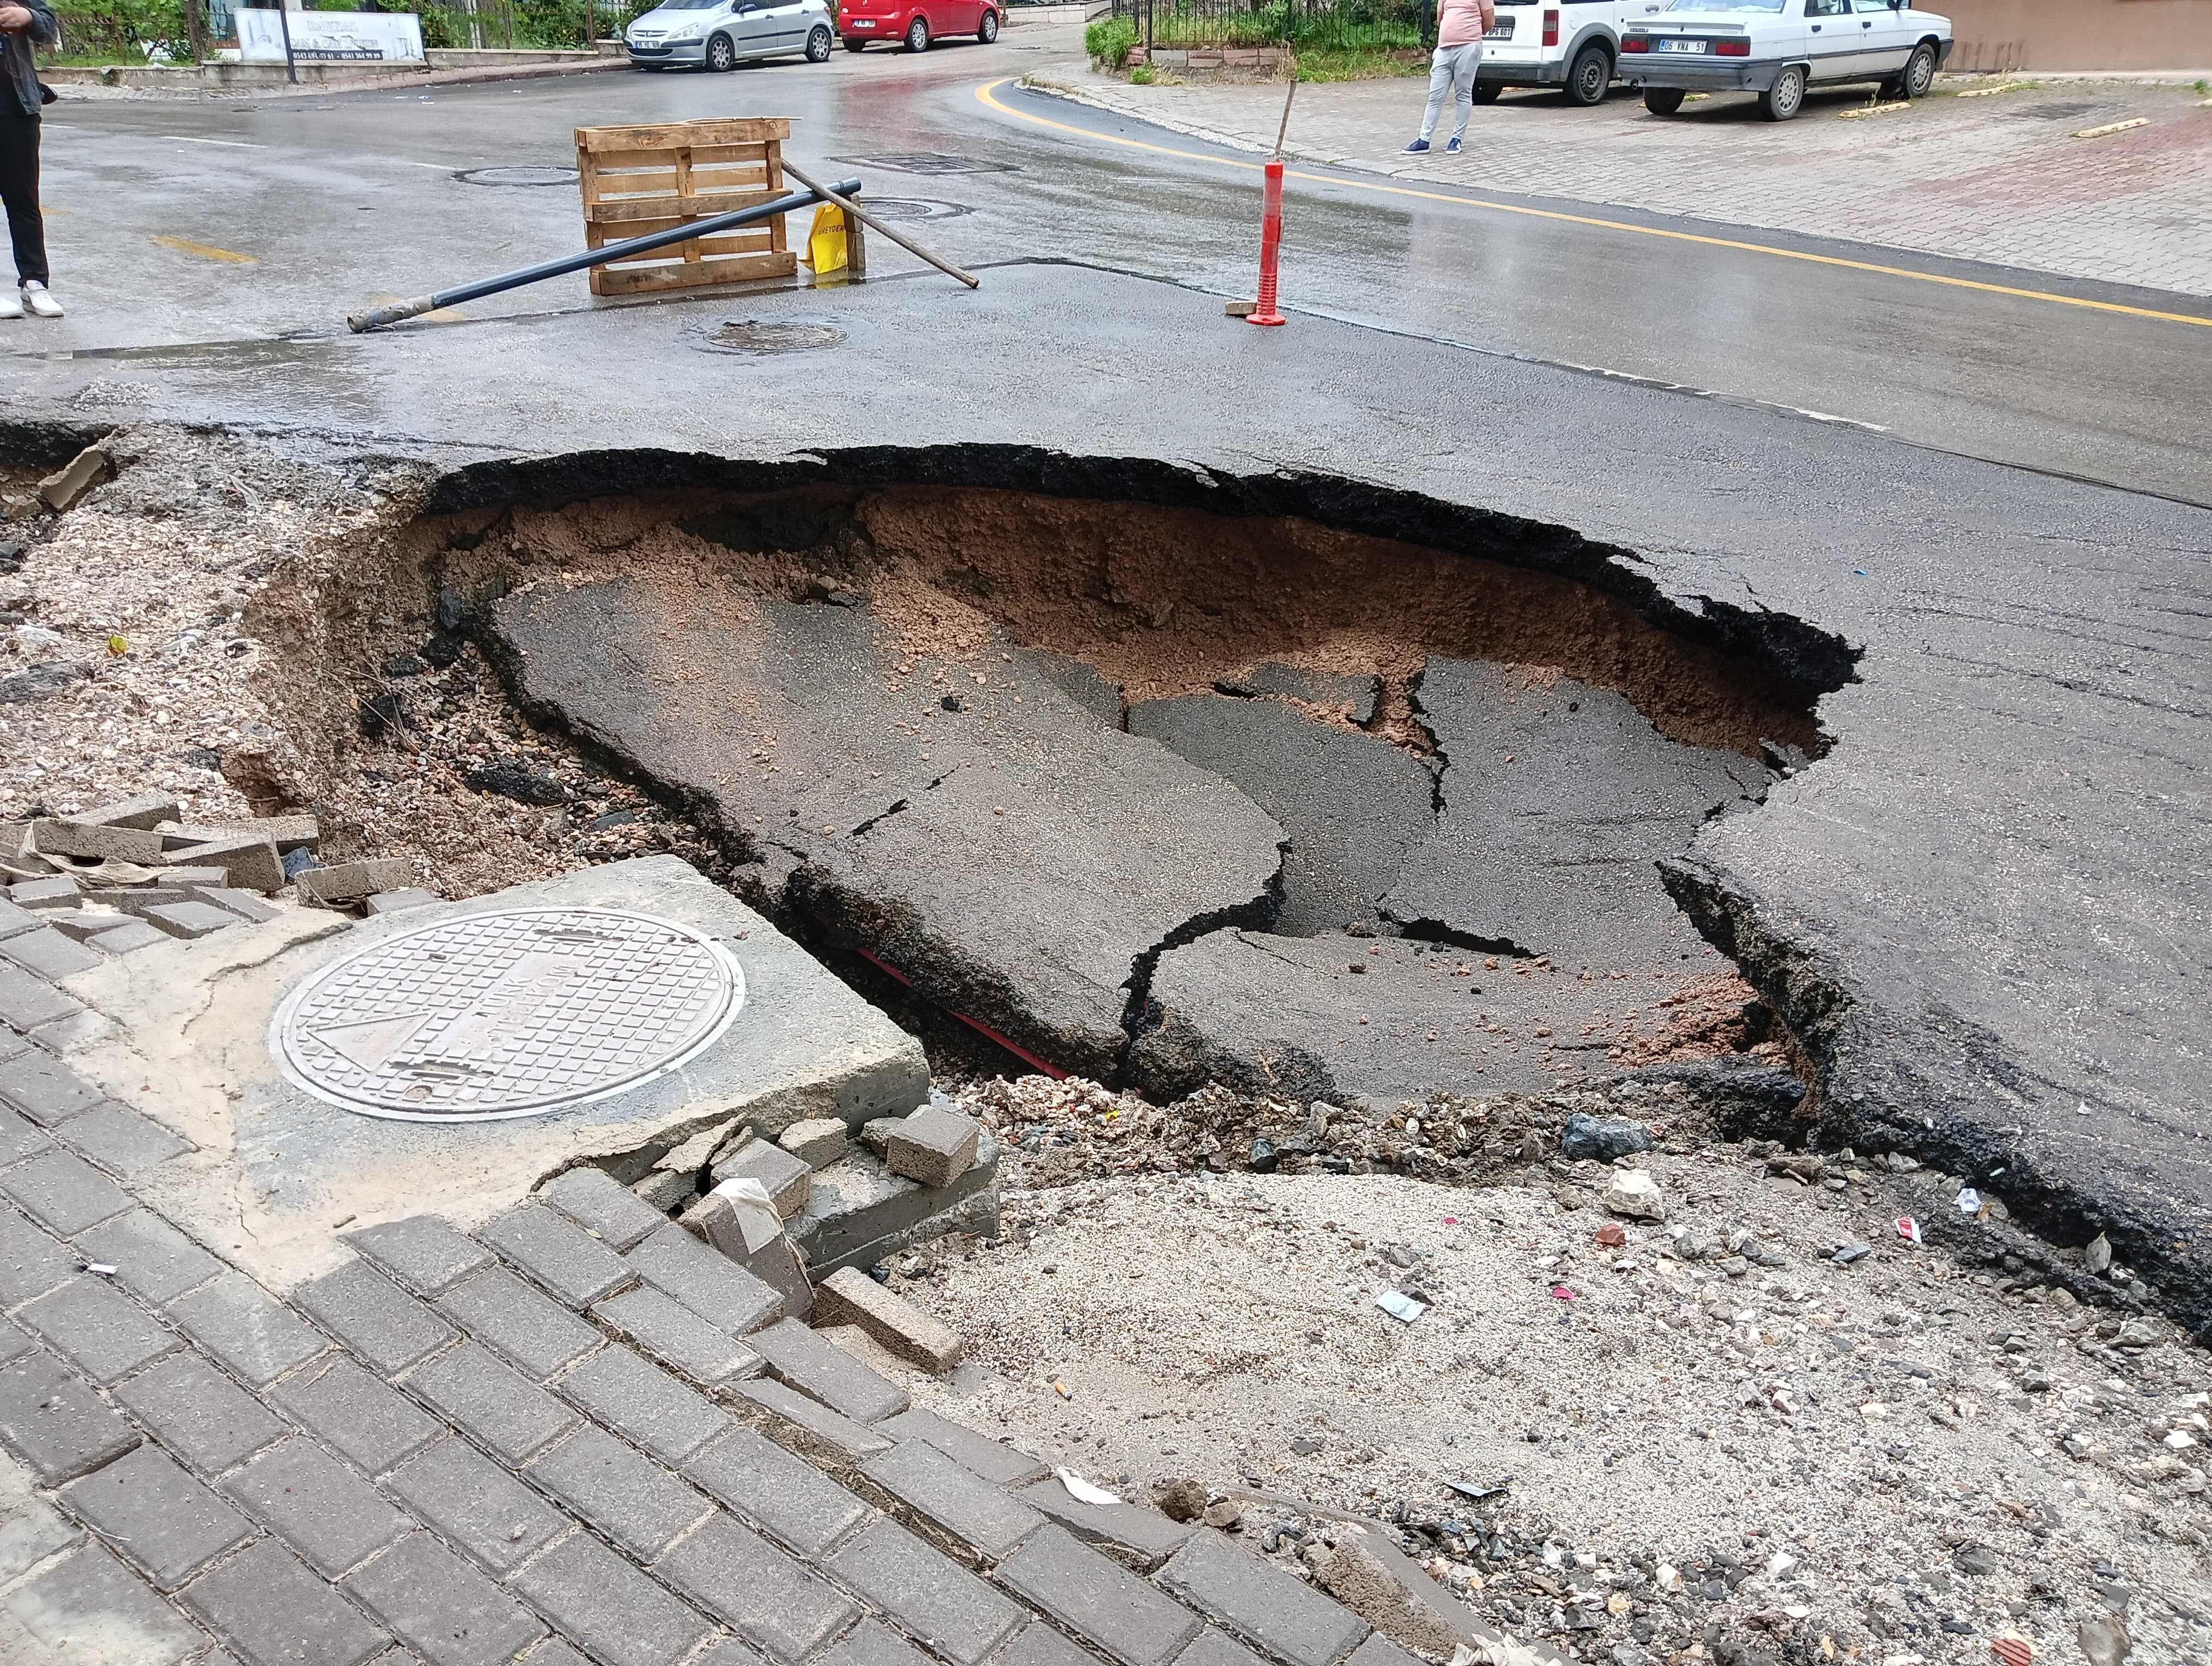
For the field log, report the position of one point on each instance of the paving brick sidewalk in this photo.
(446, 1451)
(1996, 178)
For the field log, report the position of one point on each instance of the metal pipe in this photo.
(376, 317)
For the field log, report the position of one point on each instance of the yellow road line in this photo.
(205, 250)
(983, 93)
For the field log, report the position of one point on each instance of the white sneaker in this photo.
(9, 306)
(37, 302)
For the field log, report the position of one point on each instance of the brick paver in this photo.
(1997, 179)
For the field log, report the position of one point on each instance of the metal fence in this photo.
(1314, 25)
(182, 31)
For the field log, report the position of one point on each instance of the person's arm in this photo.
(44, 30)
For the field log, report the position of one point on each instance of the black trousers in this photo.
(19, 190)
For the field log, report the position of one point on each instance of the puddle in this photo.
(899, 210)
(517, 176)
(929, 161)
(751, 336)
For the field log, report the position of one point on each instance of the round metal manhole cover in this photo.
(900, 208)
(513, 1013)
(517, 176)
(751, 336)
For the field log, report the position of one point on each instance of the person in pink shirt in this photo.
(1460, 25)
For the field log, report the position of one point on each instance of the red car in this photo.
(917, 22)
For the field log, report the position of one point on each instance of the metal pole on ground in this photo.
(284, 22)
(841, 195)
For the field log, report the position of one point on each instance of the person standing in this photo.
(1460, 25)
(24, 25)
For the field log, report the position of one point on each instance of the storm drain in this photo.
(517, 176)
(752, 336)
(505, 1014)
(898, 209)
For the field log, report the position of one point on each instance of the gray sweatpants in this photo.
(1452, 70)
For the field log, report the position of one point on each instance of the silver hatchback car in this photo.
(720, 34)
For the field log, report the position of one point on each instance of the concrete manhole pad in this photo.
(509, 1013)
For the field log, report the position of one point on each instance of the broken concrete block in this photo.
(395, 902)
(246, 905)
(849, 1296)
(146, 812)
(773, 1259)
(247, 861)
(58, 892)
(858, 1212)
(130, 935)
(876, 1133)
(663, 1191)
(190, 920)
(695, 1153)
(61, 490)
(788, 1181)
(287, 833)
(94, 842)
(934, 1146)
(136, 899)
(182, 877)
(81, 924)
(1634, 1193)
(348, 882)
(817, 1143)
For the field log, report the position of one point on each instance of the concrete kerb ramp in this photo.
(183, 1031)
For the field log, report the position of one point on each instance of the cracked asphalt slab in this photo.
(1977, 909)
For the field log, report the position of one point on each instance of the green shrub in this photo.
(1110, 41)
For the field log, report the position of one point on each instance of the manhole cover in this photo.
(517, 176)
(751, 336)
(506, 1014)
(895, 209)
(2056, 112)
(927, 161)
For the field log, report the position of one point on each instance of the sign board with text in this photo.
(329, 36)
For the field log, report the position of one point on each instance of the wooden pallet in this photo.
(640, 180)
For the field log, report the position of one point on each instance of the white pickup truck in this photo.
(1571, 45)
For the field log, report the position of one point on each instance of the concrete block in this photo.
(640, 1505)
(773, 1259)
(152, 1259)
(1133, 1535)
(829, 1439)
(1000, 1464)
(1039, 1644)
(266, 1607)
(782, 1494)
(858, 1210)
(98, 1329)
(157, 1516)
(620, 1617)
(44, 1089)
(665, 1189)
(705, 1280)
(244, 1327)
(91, 842)
(190, 920)
(533, 1331)
(1212, 1648)
(566, 1260)
(370, 1423)
(602, 1205)
(849, 1296)
(128, 938)
(953, 1507)
(54, 1421)
(347, 882)
(643, 1403)
(146, 811)
(79, 925)
(232, 899)
(423, 1252)
(325, 1512)
(477, 1504)
(61, 490)
(934, 1146)
(875, 1135)
(400, 901)
(185, 876)
(503, 1412)
(63, 1192)
(135, 900)
(442, 1607)
(818, 1142)
(1260, 1602)
(671, 1332)
(82, 1606)
(756, 1590)
(246, 860)
(787, 1179)
(1098, 1599)
(58, 892)
(19, 1138)
(824, 1372)
(926, 1594)
(690, 1156)
(14, 918)
(375, 1317)
(47, 954)
(869, 1644)
(287, 833)
(200, 1414)
(122, 1141)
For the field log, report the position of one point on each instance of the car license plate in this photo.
(1502, 30)
(1682, 45)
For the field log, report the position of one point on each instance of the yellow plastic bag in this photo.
(827, 250)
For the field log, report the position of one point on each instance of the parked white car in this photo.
(1777, 48)
(1571, 45)
(720, 34)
